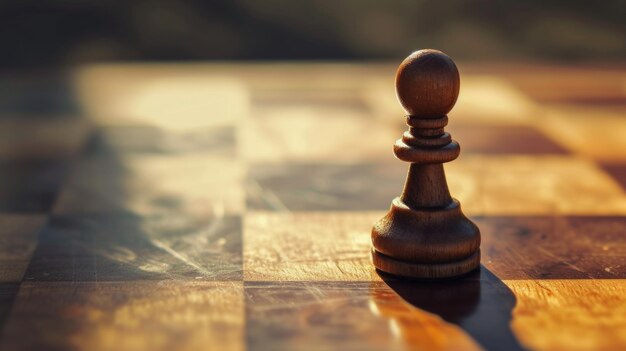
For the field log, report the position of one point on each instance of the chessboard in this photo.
(219, 206)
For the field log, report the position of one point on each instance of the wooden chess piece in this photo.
(425, 234)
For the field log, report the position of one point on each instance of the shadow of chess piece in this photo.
(412, 309)
(425, 234)
(479, 303)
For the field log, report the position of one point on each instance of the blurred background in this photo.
(58, 33)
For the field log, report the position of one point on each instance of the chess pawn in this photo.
(425, 234)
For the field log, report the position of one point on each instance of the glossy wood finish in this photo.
(333, 246)
(114, 237)
(348, 316)
(425, 234)
(427, 84)
(143, 315)
(549, 312)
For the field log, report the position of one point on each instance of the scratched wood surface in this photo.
(215, 207)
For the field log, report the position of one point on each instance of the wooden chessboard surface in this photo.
(229, 207)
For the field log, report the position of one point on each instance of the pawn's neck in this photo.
(426, 186)
(427, 146)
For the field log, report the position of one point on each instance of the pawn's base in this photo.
(425, 270)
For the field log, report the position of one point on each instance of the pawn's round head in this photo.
(427, 83)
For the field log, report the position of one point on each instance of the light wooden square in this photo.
(534, 185)
(549, 312)
(306, 134)
(171, 97)
(595, 132)
(308, 246)
(194, 184)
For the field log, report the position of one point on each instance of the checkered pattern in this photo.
(229, 207)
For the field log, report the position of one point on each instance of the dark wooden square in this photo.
(126, 247)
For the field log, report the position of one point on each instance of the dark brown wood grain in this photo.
(425, 234)
(427, 84)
